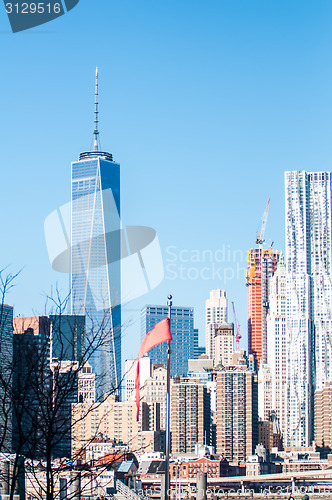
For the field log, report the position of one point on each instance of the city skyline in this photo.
(211, 110)
(258, 106)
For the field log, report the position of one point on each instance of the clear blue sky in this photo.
(204, 103)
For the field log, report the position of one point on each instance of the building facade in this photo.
(264, 391)
(215, 315)
(91, 420)
(224, 344)
(237, 412)
(154, 391)
(6, 360)
(190, 415)
(86, 384)
(276, 343)
(308, 298)
(130, 375)
(65, 378)
(112, 420)
(201, 368)
(32, 386)
(68, 337)
(323, 412)
(185, 336)
(213, 466)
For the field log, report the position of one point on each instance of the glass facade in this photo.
(95, 263)
(185, 337)
(68, 334)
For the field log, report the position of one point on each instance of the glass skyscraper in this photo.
(95, 259)
(308, 298)
(184, 345)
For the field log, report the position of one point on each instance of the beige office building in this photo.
(86, 384)
(154, 391)
(224, 344)
(215, 315)
(112, 420)
(323, 416)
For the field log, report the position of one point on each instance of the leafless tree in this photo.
(37, 389)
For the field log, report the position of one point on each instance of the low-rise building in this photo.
(213, 466)
(256, 466)
(323, 412)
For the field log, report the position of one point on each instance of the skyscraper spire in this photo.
(96, 131)
(96, 152)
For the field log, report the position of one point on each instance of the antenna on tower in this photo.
(96, 131)
(96, 153)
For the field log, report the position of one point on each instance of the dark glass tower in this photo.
(32, 385)
(185, 336)
(95, 259)
(6, 360)
(68, 335)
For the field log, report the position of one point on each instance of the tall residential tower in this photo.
(276, 343)
(308, 298)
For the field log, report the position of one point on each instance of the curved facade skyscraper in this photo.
(95, 259)
(308, 298)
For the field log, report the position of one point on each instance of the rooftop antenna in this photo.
(96, 131)
(96, 153)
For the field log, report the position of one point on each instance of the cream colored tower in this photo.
(276, 343)
(224, 344)
(215, 315)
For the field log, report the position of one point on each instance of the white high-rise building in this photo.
(276, 342)
(308, 296)
(215, 315)
(264, 391)
(224, 344)
(130, 375)
(86, 384)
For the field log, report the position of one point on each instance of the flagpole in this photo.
(168, 405)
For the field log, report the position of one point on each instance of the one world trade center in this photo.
(95, 258)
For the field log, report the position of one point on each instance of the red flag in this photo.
(160, 333)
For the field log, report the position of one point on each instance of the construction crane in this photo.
(237, 328)
(260, 236)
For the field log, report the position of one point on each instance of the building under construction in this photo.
(262, 264)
